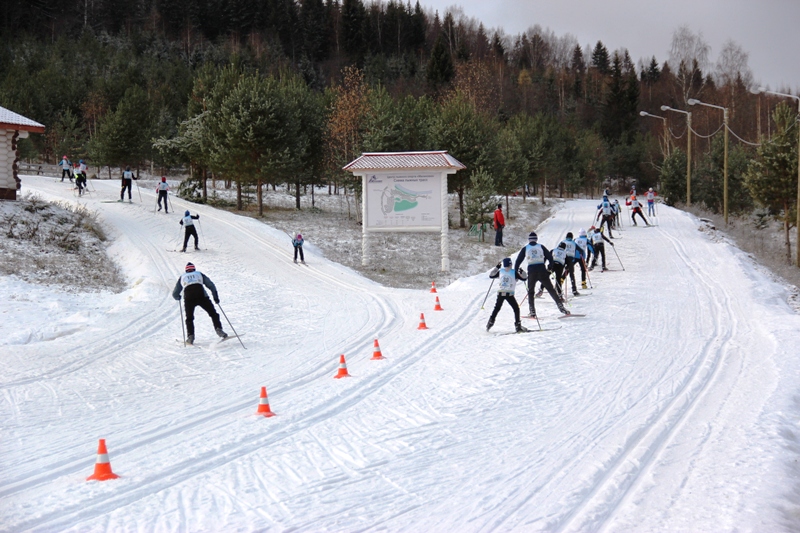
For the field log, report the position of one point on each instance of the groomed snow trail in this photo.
(658, 411)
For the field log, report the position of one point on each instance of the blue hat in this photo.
(507, 262)
(186, 214)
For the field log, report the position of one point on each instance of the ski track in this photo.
(576, 480)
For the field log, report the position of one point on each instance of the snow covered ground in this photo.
(672, 406)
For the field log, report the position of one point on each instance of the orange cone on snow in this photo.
(342, 373)
(263, 404)
(376, 354)
(438, 307)
(422, 321)
(102, 467)
(433, 286)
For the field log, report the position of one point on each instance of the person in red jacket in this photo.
(498, 223)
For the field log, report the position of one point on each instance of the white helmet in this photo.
(582, 232)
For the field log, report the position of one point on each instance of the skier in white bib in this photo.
(191, 282)
(507, 278)
(188, 224)
(163, 189)
(127, 183)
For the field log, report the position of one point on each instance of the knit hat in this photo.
(562, 245)
(64, 157)
(532, 237)
(507, 262)
(189, 267)
(127, 168)
(299, 236)
(163, 178)
(582, 232)
(569, 235)
(186, 214)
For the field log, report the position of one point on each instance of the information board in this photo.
(403, 201)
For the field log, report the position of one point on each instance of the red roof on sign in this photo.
(13, 121)
(405, 160)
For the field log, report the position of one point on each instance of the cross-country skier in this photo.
(651, 202)
(569, 266)
(80, 179)
(191, 282)
(599, 247)
(507, 278)
(536, 255)
(557, 266)
(606, 211)
(297, 242)
(163, 189)
(498, 222)
(188, 225)
(636, 208)
(582, 249)
(82, 168)
(66, 168)
(617, 210)
(127, 183)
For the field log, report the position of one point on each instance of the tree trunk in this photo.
(461, 221)
(260, 200)
(205, 184)
(786, 233)
(297, 195)
(508, 207)
(238, 195)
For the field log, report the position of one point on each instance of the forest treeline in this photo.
(261, 92)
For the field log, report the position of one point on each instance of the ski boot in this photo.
(295, 261)
(183, 250)
(221, 333)
(539, 293)
(190, 339)
(563, 309)
(519, 328)
(490, 324)
(197, 248)
(575, 292)
(159, 208)
(583, 285)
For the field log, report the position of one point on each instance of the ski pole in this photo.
(183, 330)
(231, 325)
(487, 293)
(618, 259)
(155, 204)
(138, 190)
(201, 231)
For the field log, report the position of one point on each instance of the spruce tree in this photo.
(440, 69)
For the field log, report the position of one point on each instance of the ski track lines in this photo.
(139, 487)
(614, 482)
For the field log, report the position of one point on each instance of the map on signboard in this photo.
(403, 201)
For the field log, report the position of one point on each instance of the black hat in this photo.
(563, 245)
(569, 235)
(507, 262)
(189, 267)
(532, 237)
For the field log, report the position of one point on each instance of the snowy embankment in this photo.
(669, 407)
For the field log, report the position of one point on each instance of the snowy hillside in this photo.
(669, 407)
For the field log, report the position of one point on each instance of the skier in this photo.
(582, 249)
(505, 292)
(162, 189)
(127, 183)
(66, 168)
(188, 225)
(297, 242)
(499, 222)
(83, 169)
(606, 211)
(536, 255)
(557, 266)
(80, 179)
(636, 210)
(651, 202)
(617, 210)
(195, 295)
(569, 265)
(599, 247)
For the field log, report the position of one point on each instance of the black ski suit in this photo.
(190, 230)
(537, 254)
(195, 295)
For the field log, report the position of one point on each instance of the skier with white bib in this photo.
(127, 183)
(188, 225)
(536, 255)
(571, 249)
(583, 248)
(599, 247)
(636, 209)
(606, 211)
(66, 168)
(191, 283)
(651, 202)
(507, 278)
(163, 189)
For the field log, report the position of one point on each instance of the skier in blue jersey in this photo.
(537, 255)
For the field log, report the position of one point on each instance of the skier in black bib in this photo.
(191, 283)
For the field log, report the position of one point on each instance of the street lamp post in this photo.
(688, 151)
(666, 133)
(797, 205)
(693, 101)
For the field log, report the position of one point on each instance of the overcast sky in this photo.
(768, 30)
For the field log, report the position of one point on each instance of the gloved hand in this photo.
(198, 216)
(177, 298)
(498, 266)
(611, 243)
(216, 300)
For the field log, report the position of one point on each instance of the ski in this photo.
(523, 332)
(212, 343)
(572, 315)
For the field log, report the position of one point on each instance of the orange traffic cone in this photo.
(438, 307)
(263, 404)
(433, 286)
(342, 373)
(422, 321)
(376, 354)
(102, 468)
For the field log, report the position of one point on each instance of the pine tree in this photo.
(600, 58)
(440, 69)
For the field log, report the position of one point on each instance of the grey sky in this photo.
(768, 30)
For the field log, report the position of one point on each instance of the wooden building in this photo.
(12, 128)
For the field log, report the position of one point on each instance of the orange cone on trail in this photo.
(342, 369)
(422, 321)
(433, 286)
(102, 467)
(263, 404)
(376, 354)
(438, 307)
